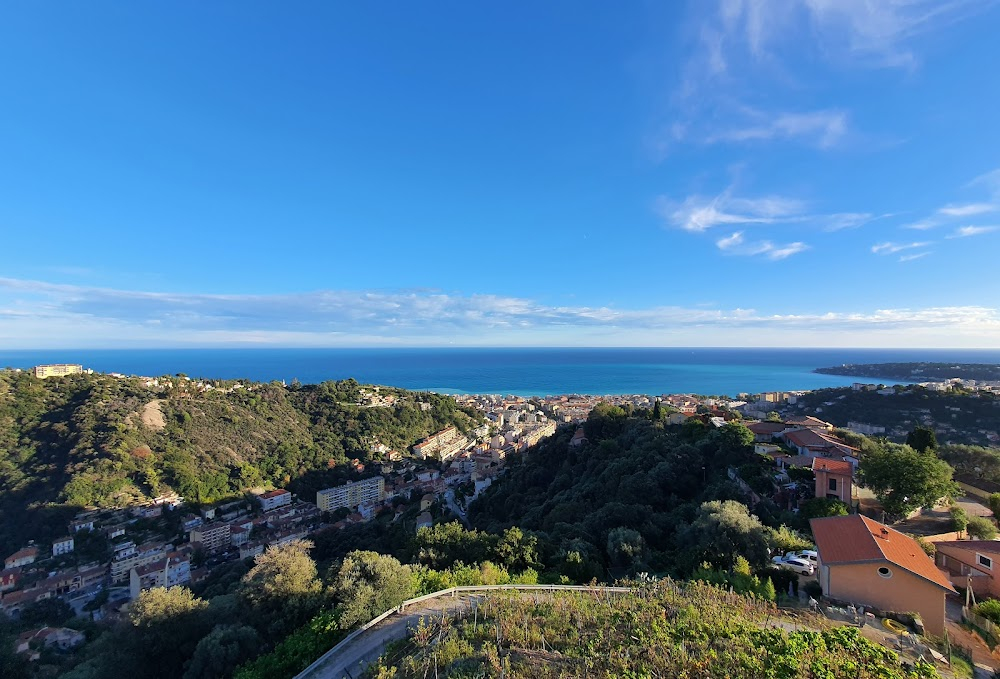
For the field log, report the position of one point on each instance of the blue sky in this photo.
(734, 173)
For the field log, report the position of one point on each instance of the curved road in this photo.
(351, 660)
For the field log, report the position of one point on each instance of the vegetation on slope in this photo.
(663, 630)
(81, 441)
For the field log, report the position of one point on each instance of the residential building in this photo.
(815, 442)
(57, 370)
(173, 569)
(9, 579)
(868, 564)
(426, 502)
(274, 499)
(211, 537)
(833, 478)
(971, 563)
(62, 638)
(444, 444)
(141, 556)
(424, 520)
(21, 557)
(351, 494)
(62, 546)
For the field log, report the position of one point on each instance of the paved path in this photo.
(367, 647)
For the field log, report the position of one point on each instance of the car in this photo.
(807, 555)
(794, 564)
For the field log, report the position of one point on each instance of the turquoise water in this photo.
(523, 372)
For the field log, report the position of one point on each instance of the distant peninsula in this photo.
(917, 372)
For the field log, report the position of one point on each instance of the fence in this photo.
(985, 624)
(452, 591)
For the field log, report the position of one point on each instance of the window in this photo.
(985, 561)
(833, 484)
(884, 572)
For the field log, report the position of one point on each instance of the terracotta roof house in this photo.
(765, 431)
(815, 443)
(833, 478)
(974, 563)
(868, 564)
(809, 422)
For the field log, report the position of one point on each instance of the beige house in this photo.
(833, 478)
(974, 563)
(868, 564)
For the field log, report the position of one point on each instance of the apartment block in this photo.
(57, 370)
(211, 537)
(351, 494)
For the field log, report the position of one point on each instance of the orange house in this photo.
(971, 562)
(833, 478)
(868, 564)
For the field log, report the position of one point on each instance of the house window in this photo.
(833, 484)
(884, 572)
(985, 561)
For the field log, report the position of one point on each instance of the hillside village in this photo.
(109, 556)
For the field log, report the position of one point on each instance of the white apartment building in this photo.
(351, 494)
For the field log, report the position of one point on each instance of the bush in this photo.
(929, 547)
(959, 519)
(989, 609)
(813, 589)
(982, 528)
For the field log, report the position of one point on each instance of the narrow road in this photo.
(350, 662)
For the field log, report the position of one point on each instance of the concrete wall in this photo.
(901, 593)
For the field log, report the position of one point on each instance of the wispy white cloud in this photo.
(967, 231)
(968, 210)
(950, 213)
(699, 213)
(72, 316)
(890, 248)
(910, 258)
(736, 244)
(819, 128)
(743, 49)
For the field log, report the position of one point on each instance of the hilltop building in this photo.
(57, 370)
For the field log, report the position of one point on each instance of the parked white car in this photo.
(794, 563)
(807, 555)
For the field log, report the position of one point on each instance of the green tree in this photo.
(982, 528)
(922, 440)
(722, 531)
(517, 550)
(819, 507)
(166, 626)
(222, 651)
(735, 436)
(368, 584)
(626, 547)
(994, 502)
(959, 519)
(657, 411)
(903, 478)
(768, 591)
(282, 588)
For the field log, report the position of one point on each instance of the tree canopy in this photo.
(903, 478)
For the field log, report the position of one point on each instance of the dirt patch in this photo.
(152, 415)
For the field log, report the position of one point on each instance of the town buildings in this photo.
(971, 563)
(21, 557)
(62, 546)
(213, 537)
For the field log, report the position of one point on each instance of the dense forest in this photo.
(640, 495)
(101, 441)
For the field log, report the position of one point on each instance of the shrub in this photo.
(989, 609)
(982, 528)
(813, 589)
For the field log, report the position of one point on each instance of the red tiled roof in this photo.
(273, 493)
(991, 546)
(766, 427)
(835, 466)
(856, 539)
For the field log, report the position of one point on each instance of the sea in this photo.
(515, 371)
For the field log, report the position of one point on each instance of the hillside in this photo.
(665, 630)
(917, 372)
(957, 416)
(626, 500)
(97, 440)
